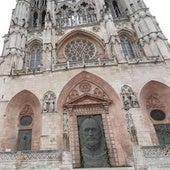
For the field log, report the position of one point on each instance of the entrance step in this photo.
(119, 168)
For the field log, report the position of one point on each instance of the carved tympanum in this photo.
(153, 101)
(85, 87)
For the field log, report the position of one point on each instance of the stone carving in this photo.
(77, 14)
(74, 94)
(80, 49)
(49, 102)
(129, 98)
(31, 155)
(94, 153)
(154, 102)
(131, 128)
(96, 28)
(85, 87)
(27, 110)
(65, 121)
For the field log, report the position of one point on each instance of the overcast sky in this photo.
(158, 8)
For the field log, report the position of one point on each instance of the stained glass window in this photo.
(127, 48)
(79, 49)
(35, 60)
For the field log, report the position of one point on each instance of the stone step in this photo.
(118, 168)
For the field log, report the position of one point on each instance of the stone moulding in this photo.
(50, 155)
(156, 151)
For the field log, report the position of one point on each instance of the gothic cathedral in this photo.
(84, 84)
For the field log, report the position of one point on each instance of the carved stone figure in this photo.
(129, 98)
(92, 142)
(49, 102)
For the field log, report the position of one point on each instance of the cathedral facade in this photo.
(84, 84)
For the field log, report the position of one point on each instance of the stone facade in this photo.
(65, 60)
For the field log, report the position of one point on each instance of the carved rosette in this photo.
(86, 88)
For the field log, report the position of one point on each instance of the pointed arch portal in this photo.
(86, 99)
(22, 131)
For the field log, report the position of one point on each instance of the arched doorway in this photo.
(155, 104)
(22, 123)
(86, 99)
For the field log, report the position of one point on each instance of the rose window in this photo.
(80, 49)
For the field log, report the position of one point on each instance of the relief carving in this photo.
(92, 142)
(129, 98)
(154, 102)
(85, 87)
(74, 94)
(49, 102)
(27, 110)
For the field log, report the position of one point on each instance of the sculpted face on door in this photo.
(92, 142)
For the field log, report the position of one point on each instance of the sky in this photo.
(158, 8)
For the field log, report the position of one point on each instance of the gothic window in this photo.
(35, 19)
(43, 18)
(44, 2)
(36, 3)
(127, 47)
(35, 58)
(163, 133)
(80, 49)
(38, 13)
(116, 9)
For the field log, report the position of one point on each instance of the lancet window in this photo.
(127, 48)
(35, 57)
(80, 14)
(38, 13)
(115, 8)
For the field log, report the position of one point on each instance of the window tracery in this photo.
(115, 8)
(79, 49)
(38, 13)
(127, 48)
(35, 57)
(80, 14)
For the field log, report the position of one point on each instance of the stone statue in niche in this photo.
(129, 98)
(92, 142)
(49, 102)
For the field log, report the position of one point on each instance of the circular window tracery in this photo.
(158, 115)
(26, 120)
(79, 49)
